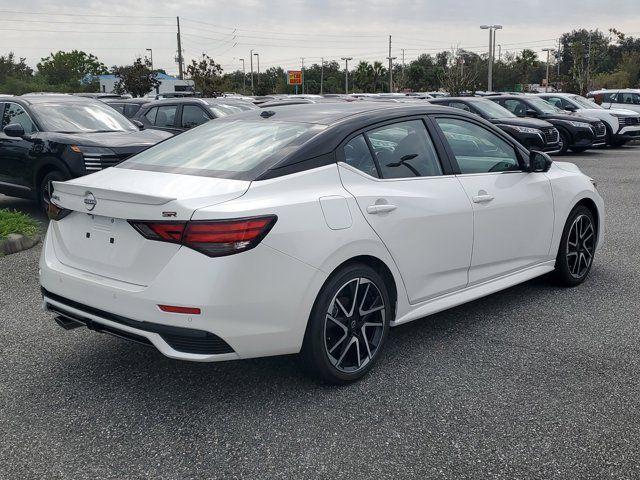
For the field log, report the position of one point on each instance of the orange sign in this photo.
(294, 77)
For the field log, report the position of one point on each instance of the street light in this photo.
(492, 47)
(258, 59)
(244, 77)
(346, 73)
(150, 50)
(548, 50)
(251, 66)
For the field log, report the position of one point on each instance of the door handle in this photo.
(380, 208)
(484, 198)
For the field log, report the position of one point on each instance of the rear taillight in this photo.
(55, 212)
(215, 238)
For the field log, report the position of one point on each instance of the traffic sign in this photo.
(294, 77)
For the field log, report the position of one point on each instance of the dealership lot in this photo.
(532, 382)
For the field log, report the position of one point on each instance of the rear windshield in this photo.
(237, 149)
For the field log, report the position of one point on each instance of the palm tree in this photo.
(379, 72)
(363, 76)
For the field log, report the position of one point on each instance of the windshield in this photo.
(492, 110)
(226, 149)
(543, 105)
(583, 102)
(81, 117)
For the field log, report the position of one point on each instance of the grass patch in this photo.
(12, 221)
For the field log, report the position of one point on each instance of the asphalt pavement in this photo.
(532, 382)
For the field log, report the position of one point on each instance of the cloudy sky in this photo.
(118, 31)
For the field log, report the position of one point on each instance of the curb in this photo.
(15, 243)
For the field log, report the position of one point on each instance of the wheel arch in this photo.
(46, 166)
(593, 208)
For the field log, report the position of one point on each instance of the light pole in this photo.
(492, 29)
(321, 73)
(258, 59)
(548, 50)
(251, 66)
(150, 50)
(302, 74)
(346, 73)
(244, 77)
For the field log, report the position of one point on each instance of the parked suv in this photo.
(625, 98)
(47, 138)
(622, 124)
(175, 115)
(129, 107)
(532, 133)
(577, 132)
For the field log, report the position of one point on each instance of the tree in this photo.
(525, 63)
(206, 74)
(456, 78)
(70, 68)
(10, 68)
(137, 79)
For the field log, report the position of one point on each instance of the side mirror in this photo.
(531, 113)
(570, 108)
(539, 161)
(14, 130)
(138, 124)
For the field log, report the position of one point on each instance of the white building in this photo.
(168, 84)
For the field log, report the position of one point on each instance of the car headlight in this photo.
(527, 130)
(580, 124)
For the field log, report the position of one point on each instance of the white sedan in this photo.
(312, 229)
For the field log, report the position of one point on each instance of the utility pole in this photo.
(346, 73)
(150, 50)
(391, 59)
(558, 57)
(251, 64)
(321, 73)
(244, 77)
(548, 50)
(180, 73)
(402, 65)
(587, 79)
(499, 52)
(302, 74)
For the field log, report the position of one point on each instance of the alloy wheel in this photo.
(354, 325)
(580, 246)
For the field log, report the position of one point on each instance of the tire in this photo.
(341, 345)
(575, 257)
(44, 187)
(564, 142)
(579, 149)
(618, 143)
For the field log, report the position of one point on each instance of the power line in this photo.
(77, 14)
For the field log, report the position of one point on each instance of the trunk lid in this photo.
(97, 238)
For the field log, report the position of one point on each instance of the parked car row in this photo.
(51, 137)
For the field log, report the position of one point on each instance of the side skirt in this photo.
(474, 292)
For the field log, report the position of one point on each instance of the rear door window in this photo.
(166, 116)
(192, 116)
(404, 150)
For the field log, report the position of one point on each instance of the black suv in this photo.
(129, 107)
(47, 138)
(577, 132)
(175, 115)
(532, 133)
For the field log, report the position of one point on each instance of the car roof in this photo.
(31, 99)
(330, 113)
(125, 100)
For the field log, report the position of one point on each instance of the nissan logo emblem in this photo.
(90, 201)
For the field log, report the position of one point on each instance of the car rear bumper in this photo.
(248, 309)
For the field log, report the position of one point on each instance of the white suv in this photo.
(628, 98)
(622, 124)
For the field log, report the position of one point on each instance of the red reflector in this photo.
(174, 309)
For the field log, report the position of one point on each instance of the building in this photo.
(168, 84)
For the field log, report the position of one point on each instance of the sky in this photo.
(282, 32)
